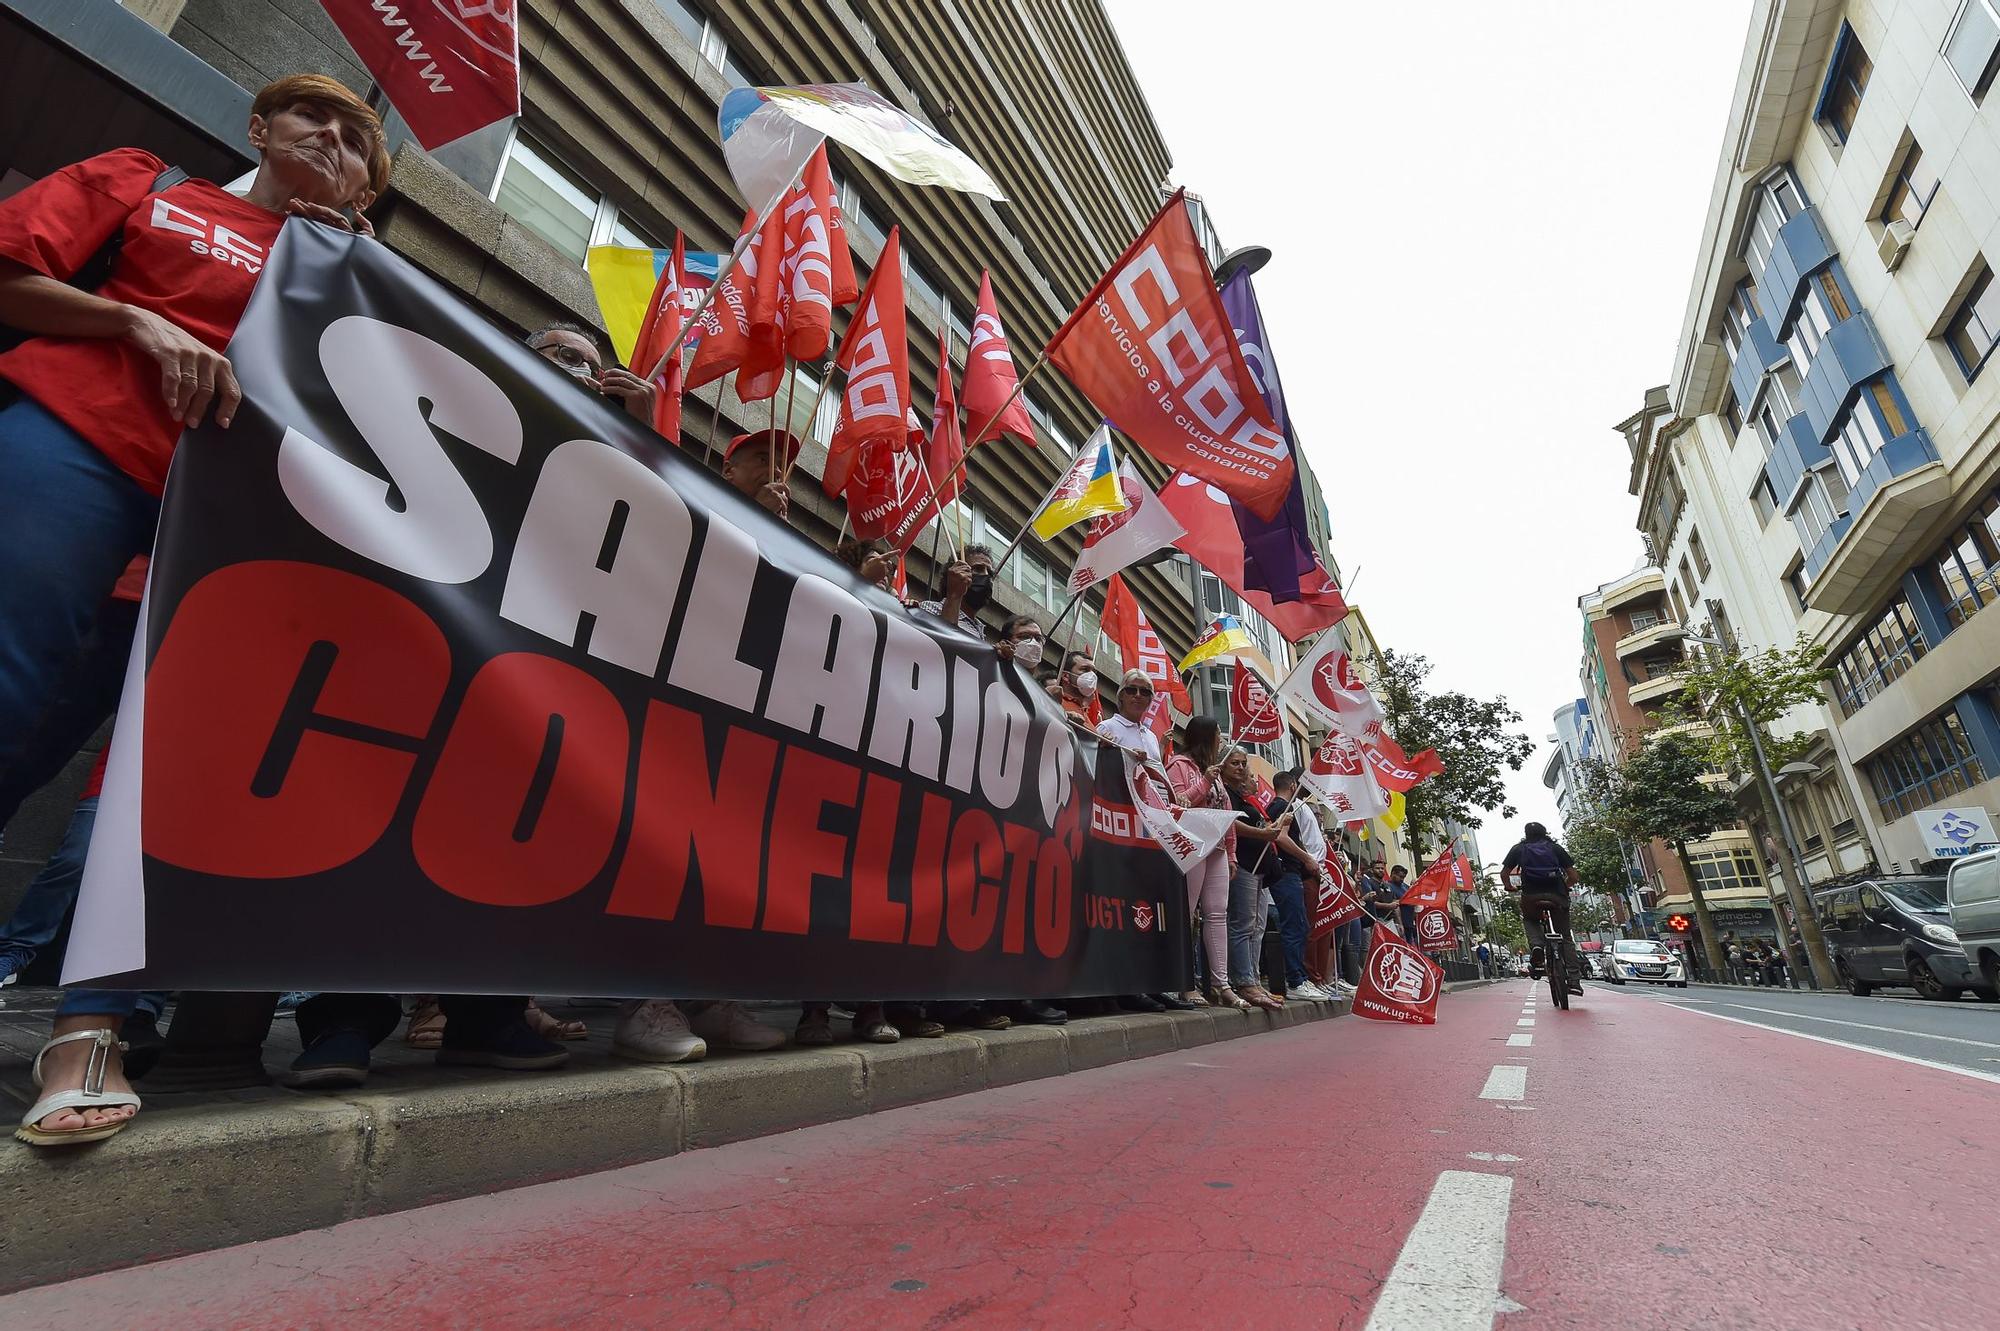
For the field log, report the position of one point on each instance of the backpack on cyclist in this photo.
(1541, 868)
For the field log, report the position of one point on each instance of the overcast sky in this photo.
(1484, 219)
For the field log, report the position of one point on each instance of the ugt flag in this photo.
(448, 67)
(1118, 540)
(1254, 715)
(1325, 684)
(1151, 347)
(1398, 983)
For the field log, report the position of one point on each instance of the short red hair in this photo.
(343, 101)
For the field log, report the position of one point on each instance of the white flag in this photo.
(1116, 541)
(1187, 835)
(1325, 685)
(1338, 772)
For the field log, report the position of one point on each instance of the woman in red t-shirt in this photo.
(107, 381)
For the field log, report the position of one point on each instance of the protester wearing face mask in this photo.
(1076, 688)
(968, 589)
(1021, 642)
(575, 351)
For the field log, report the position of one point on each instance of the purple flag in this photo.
(1275, 553)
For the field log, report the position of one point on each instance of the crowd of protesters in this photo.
(114, 336)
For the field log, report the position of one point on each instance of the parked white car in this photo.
(1646, 961)
(1973, 893)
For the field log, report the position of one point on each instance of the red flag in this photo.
(1253, 712)
(762, 267)
(1262, 793)
(941, 452)
(846, 290)
(665, 313)
(1461, 875)
(805, 275)
(1395, 770)
(883, 488)
(1336, 902)
(724, 328)
(448, 69)
(1153, 349)
(899, 585)
(1140, 649)
(1432, 887)
(875, 355)
(1398, 983)
(990, 377)
(1435, 930)
(1214, 541)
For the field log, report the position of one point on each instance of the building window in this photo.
(1777, 201)
(1972, 45)
(1695, 548)
(1729, 870)
(1969, 564)
(1811, 841)
(1914, 188)
(1680, 604)
(1865, 429)
(1887, 648)
(1687, 585)
(1975, 327)
(1668, 504)
(1795, 579)
(1823, 307)
(551, 200)
(1812, 513)
(1846, 82)
(1925, 767)
(1768, 427)
(684, 16)
(1725, 632)
(1765, 501)
(1736, 320)
(1839, 813)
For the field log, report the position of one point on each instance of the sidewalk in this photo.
(206, 1170)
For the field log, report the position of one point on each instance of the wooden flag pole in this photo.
(722, 272)
(773, 449)
(714, 420)
(971, 440)
(812, 422)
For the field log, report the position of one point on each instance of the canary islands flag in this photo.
(623, 279)
(1225, 637)
(1087, 490)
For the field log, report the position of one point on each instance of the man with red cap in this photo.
(749, 465)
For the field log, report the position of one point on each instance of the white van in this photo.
(1973, 893)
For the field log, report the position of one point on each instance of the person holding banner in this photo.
(1022, 641)
(1127, 726)
(575, 350)
(968, 589)
(1195, 773)
(748, 465)
(1076, 688)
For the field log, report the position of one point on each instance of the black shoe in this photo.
(1534, 972)
(513, 1047)
(1576, 987)
(143, 1043)
(1173, 1002)
(336, 1061)
(1139, 1003)
(1031, 1013)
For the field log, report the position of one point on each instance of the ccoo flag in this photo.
(990, 379)
(1087, 489)
(875, 355)
(448, 68)
(1152, 348)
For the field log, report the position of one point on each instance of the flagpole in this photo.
(772, 451)
(736, 251)
(972, 440)
(924, 467)
(714, 420)
(812, 424)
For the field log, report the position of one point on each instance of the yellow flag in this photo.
(1397, 811)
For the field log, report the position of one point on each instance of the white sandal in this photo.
(92, 1096)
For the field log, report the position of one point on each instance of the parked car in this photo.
(1896, 932)
(1972, 892)
(1646, 960)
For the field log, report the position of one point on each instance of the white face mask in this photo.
(1086, 682)
(1028, 651)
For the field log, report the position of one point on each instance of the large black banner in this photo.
(457, 679)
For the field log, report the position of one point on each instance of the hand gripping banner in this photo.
(453, 678)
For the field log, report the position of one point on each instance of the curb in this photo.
(193, 1177)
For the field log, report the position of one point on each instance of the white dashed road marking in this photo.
(1840, 1044)
(1506, 1082)
(1525, 1021)
(1447, 1277)
(1493, 1158)
(1520, 1040)
(1861, 1025)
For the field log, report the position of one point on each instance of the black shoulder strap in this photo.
(168, 178)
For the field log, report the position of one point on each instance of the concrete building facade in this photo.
(1830, 414)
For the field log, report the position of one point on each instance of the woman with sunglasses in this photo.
(1127, 728)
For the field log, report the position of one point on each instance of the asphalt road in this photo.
(1635, 1162)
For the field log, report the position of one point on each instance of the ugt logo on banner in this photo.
(1398, 983)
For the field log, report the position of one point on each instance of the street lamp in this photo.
(1801, 903)
(1243, 259)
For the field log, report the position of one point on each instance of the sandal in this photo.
(1223, 996)
(426, 1025)
(553, 1028)
(92, 1096)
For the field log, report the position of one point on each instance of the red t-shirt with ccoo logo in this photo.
(191, 255)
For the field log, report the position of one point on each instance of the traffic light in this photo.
(1678, 923)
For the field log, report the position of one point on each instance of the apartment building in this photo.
(1830, 390)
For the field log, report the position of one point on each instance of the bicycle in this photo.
(1556, 959)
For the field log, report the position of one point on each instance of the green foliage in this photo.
(1589, 913)
(1721, 688)
(1600, 859)
(1505, 927)
(1659, 793)
(1471, 736)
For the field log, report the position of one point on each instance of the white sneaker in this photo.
(729, 1026)
(1346, 988)
(655, 1031)
(1308, 993)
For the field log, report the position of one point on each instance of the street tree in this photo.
(1739, 695)
(1504, 926)
(1659, 791)
(1472, 737)
(1589, 913)
(1599, 855)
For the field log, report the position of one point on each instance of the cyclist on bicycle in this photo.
(1543, 873)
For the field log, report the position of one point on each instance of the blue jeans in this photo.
(48, 901)
(69, 524)
(1289, 894)
(111, 1003)
(1246, 928)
